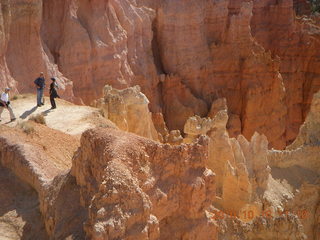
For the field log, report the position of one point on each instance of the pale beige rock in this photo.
(161, 127)
(175, 137)
(241, 167)
(128, 109)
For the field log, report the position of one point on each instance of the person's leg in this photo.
(38, 96)
(41, 99)
(12, 117)
(1, 110)
(53, 104)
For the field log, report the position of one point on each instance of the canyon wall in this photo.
(184, 55)
(113, 184)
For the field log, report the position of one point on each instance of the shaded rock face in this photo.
(40, 160)
(20, 215)
(296, 42)
(223, 61)
(184, 55)
(138, 189)
(302, 7)
(303, 155)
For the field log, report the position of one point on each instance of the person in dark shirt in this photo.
(53, 93)
(40, 83)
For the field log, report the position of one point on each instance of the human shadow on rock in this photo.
(28, 112)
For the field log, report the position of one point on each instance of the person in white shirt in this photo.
(5, 104)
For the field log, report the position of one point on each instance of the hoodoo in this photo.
(160, 120)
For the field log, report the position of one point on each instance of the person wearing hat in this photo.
(40, 83)
(5, 103)
(53, 93)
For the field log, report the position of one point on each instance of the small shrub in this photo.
(315, 6)
(26, 127)
(39, 118)
(15, 97)
(103, 125)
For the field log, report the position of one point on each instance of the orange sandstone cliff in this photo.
(205, 120)
(259, 55)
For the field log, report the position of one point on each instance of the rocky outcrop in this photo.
(286, 227)
(184, 55)
(139, 189)
(305, 150)
(303, 154)
(241, 167)
(179, 102)
(296, 43)
(125, 186)
(37, 158)
(128, 109)
(253, 200)
(221, 54)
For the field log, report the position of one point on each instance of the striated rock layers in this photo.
(183, 54)
(118, 185)
(222, 61)
(296, 42)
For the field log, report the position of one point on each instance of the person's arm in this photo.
(3, 102)
(36, 82)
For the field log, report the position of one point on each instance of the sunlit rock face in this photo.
(128, 109)
(140, 189)
(184, 55)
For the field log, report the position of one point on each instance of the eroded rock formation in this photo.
(37, 159)
(128, 109)
(241, 167)
(184, 55)
(301, 158)
(125, 186)
(296, 42)
(241, 72)
(140, 189)
(284, 197)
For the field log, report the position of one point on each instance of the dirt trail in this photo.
(69, 118)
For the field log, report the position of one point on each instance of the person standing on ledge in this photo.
(53, 93)
(40, 83)
(5, 103)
